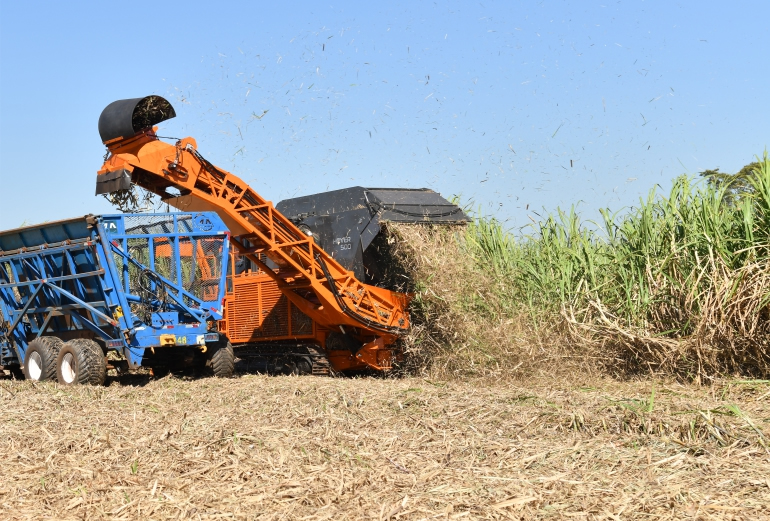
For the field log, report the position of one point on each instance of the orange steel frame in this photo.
(311, 279)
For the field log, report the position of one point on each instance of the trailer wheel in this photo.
(222, 360)
(81, 361)
(40, 361)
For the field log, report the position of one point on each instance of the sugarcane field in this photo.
(395, 262)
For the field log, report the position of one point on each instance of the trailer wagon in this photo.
(84, 295)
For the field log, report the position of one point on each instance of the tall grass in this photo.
(679, 283)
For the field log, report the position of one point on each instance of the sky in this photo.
(515, 107)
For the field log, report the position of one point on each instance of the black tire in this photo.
(54, 342)
(221, 362)
(40, 358)
(81, 361)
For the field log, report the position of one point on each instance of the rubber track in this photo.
(92, 364)
(223, 361)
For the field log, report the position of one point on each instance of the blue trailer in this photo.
(84, 295)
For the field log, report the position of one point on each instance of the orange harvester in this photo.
(307, 296)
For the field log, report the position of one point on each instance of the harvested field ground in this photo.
(263, 447)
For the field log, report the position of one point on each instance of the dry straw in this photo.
(462, 325)
(260, 447)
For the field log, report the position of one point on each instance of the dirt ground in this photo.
(288, 447)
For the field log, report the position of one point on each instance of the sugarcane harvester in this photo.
(295, 291)
(145, 289)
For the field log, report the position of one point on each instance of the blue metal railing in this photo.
(88, 274)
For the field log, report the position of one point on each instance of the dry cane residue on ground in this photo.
(262, 447)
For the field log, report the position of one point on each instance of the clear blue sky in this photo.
(506, 104)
